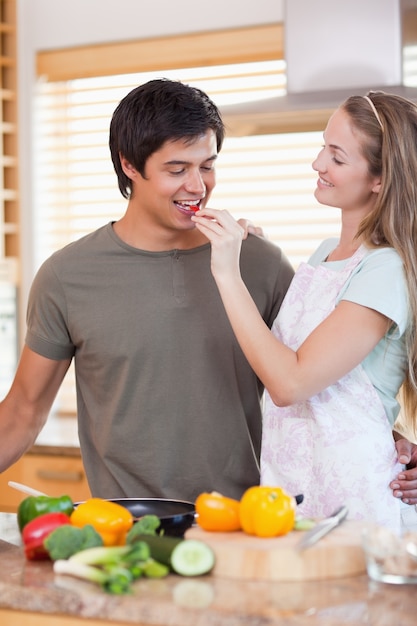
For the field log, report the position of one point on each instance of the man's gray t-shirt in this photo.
(167, 403)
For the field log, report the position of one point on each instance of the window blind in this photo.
(266, 178)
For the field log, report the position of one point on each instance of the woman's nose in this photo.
(318, 163)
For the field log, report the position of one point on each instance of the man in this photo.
(167, 404)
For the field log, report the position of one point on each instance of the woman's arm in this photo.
(334, 348)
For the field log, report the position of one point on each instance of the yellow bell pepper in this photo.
(111, 520)
(267, 511)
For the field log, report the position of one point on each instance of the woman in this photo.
(344, 341)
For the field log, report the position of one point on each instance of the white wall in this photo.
(62, 23)
(49, 24)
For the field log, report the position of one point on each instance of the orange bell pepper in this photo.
(267, 511)
(216, 512)
(111, 520)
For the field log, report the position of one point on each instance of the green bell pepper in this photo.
(33, 506)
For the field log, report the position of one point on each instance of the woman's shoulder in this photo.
(382, 257)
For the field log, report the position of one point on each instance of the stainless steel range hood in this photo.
(333, 49)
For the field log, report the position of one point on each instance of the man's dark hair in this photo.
(158, 111)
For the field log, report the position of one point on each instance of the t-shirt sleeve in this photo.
(379, 283)
(47, 330)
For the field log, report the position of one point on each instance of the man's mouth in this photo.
(187, 207)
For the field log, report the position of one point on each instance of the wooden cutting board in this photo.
(243, 557)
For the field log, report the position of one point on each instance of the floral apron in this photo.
(337, 447)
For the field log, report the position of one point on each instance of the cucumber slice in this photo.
(304, 523)
(192, 557)
(187, 557)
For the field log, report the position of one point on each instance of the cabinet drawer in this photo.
(52, 475)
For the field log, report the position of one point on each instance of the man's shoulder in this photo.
(87, 244)
(261, 257)
(254, 244)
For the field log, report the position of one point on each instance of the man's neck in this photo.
(158, 240)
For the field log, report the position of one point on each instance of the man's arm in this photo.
(24, 410)
(405, 485)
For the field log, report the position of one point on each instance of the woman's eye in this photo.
(337, 161)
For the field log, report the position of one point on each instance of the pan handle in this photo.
(299, 498)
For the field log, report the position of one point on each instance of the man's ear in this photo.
(127, 167)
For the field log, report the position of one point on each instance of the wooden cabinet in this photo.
(53, 475)
(24, 618)
(9, 177)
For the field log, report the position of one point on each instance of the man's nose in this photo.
(195, 183)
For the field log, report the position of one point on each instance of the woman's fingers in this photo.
(220, 223)
(225, 236)
(250, 229)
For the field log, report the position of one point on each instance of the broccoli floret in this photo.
(146, 525)
(67, 540)
(91, 538)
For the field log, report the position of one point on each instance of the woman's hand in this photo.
(249, 228)
(225, 235)
(405, 485)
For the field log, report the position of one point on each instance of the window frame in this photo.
(221, 47)
(257, 43)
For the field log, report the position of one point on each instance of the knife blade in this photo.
(322, 528)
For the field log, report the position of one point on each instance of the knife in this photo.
(322, 528)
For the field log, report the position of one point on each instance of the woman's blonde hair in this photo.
(388, 125)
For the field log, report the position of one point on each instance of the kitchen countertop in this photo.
(205, 601)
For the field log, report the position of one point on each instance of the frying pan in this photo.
(176, 516)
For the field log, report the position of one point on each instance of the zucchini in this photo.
(187, 557)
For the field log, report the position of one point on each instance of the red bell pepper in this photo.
(36, 531)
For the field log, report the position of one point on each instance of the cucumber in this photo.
(187, 557)
(192, 557)
(161, 546)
